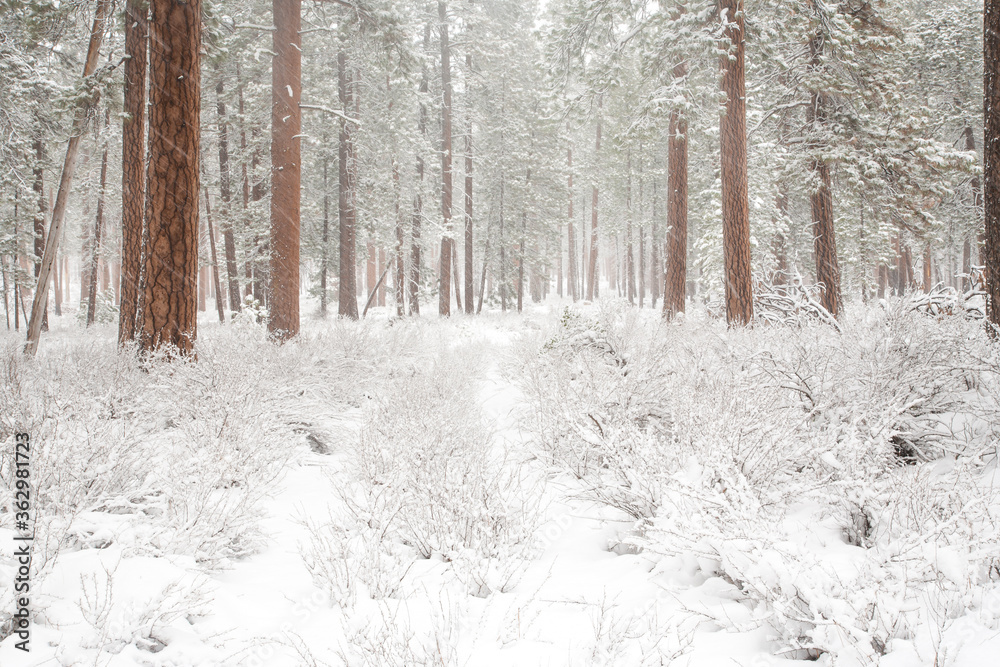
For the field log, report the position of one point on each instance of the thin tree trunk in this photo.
(38, 186)
(69, 167)
(225, 188)
(570, 230)
(733, 141)
(98, 229)
(444, 286)
(215, 261)
(455, 277)
(171, 268)
(503, 258)
(927, 268)
(592, 275)
(468, 209)
(286, 169)
(629, 256)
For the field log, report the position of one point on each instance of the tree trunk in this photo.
(347, 300)
(675, 280)
(69, 167)
(629, 256)
(286, 169)
(444, 287)
(571, 269)
(225, 188)
(824, 235)
(133, 166)
(215, 262)
(38, 187)
(927, 268)
(98, 229)
(733, 140)
(592, 276)
(171, 268)
(468, 209)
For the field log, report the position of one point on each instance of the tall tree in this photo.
(169, 314)
(225, 189)
(444, 287)
(347, 299)
(286, 169)
(824, 237)
(133, 166)
(95, 248)
(675, 282)
(733, 141)
(991, 157)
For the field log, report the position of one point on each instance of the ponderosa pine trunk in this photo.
(347, 300)
(169, 314)
(733, 143)
(468, 207)
(821, 199)
(225, 188)
(133, 167)
(444, 286)
(675, 279)
(286, 169)
(40, 300)
(98, 232)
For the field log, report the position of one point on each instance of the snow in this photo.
(595, 512)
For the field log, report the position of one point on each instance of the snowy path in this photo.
(578, 603)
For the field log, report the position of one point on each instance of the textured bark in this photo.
(347, 299)
(225, 188)
(824, 240)
(215, 260)
(444, 283)
(169, 314)
(883, 280)
(733, 140)
(656, 272)
(98, 233)
(675, 280)
(133, 166)
(65, 183)
(286, 169)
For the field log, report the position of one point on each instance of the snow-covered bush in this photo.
(836, 481)
(170, 458)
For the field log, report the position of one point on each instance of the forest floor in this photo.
(580, 485)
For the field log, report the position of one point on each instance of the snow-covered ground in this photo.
(574, 486)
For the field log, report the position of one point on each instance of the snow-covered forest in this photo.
(500, 332)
